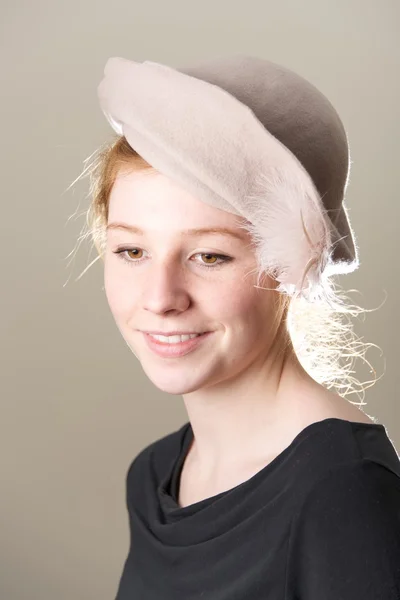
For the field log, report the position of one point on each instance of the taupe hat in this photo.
(252, 138)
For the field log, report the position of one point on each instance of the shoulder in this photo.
(354, 489)
(345, 534)
(337, 449)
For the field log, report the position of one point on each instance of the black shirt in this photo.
(319, 522)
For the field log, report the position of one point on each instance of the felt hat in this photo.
(250, 137)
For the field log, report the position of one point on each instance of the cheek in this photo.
(120, 296)
(250, 313)
(236, 302)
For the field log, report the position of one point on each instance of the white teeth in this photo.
(174, 339)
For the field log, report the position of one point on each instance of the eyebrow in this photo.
(193, 232)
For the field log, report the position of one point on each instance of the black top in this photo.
(319, 522)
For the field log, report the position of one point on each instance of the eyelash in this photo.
(131, 262)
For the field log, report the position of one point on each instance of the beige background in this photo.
(76, 406)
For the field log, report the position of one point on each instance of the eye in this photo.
(122, 253)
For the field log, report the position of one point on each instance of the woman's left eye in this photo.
(221, 257)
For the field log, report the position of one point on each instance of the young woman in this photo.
(219, 214)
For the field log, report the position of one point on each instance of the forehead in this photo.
(196, 232)
(146, 201)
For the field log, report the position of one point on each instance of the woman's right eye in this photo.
(122, 251)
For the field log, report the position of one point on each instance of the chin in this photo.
(173, 382)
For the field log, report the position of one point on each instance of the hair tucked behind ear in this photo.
(320, 332)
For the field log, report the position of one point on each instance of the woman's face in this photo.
(168, 282)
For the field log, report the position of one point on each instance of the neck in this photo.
(250, 419)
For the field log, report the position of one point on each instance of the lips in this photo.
(174, 335)
(170, 334)
(174, 350)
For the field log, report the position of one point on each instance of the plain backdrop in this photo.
(76, 407)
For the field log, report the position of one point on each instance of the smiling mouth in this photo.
(171, 349)
(192, 336)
